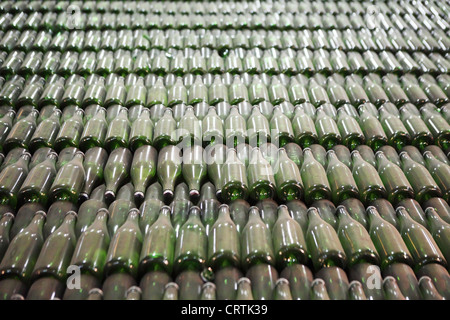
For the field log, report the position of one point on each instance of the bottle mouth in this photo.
(194, 193)
(370, 208)
(282, 206)
(399, 208)
(96, 291)
(424, 278)
(244, 279)
(72, 213)
(317, 281)
(168, 195)
(83, 197)
(389, 278)
(134, 289)
(209, 284)
(42, 213)
(139, 195)
(171, 284)
(224, 205)
(110, 196)
(354, 283)
(282, 281)
(9, 214)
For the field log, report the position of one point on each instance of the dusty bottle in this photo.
(194, 170)
(396, 184)
(260, 177)
(314, 178)
(143, 170)
(440, 173)
(164, 132)
(88, 209)
(94, 163)
(289, 185)
(343, 185)
(116, 171)
(70, 133)
(169, 169)
(36, 186)
(234, 184)
(46, 132)
(373, 130)
(387, 240)
(11, 179)
(419, 241)
(304, 128)
(118, 133)
(391, 289)
(21, 255)
(420, 179)
(94, 132)
(327, 130)
(57, 250)
(21, 132)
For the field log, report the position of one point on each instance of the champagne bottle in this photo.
(194, 170)
(70, 133)
(387, 240)
(319, 290)
(323, 242)
(88, 209)
(217, 92)
(258, 128)
(440, 173)
(327, 130)
(428, 290)
(116, 171)
(94, 132)
(20, 257)
(314, 178)
(189, 128)
(11, 179)
(289, 185)
(391, 289)
(260, 177)
(169, 169)
(141, 132)
(234, 180)
(125, 247)
(90, 251)
(36, 186)
(397, 134)
(406, 279)
(191, 245)
(439, 276)
(164, 132)
(159, 245)
(281, 127)
(419, 241)
(395, 181)
(223, 242)
(212, 128)
(143, 170)
(367, 179)
(94, 164)
(235, 128)
(420, 179)
(421, 136)
(355, 239)
(304, 128)
(438, 127)
(118, 133)
(351, 133)
(57, 250)
(21, 132)
(46, 132)
(439, 229)
(343, 185)
(373, 130)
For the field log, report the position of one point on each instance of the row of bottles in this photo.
(253, 61)
(237, 18)
(114, 38)
(334, 7)
(128, 253)
(231, 89)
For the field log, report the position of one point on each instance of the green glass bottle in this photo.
(406, 279)
(171, 291)
(69, 180)
(159, 245)
(258, 128)
(57, 250)
(391, 289)
(314, 178)
(21, 132)
(440, 173)
(92, 246)
(438, 126)
(116, 171)
(191, 244)
(421, 136)
(120, 207)
(180, 206)
(94, 163)
(23, 251)
(46, 132)
(327, 130)
(125, 247)
(244, 289)
(397, 134)
(6, 222)
(351, 133)
(153, 283)
(260, 177)
(369, 276)
(223, 242)
(420, 179)
(440, 231)
(194, 170)
(141, 132)
(289, 185)
(118, 133)
(189, 131)
(304, 129)
(11, 179)
(235, 128)
(217, 91)
(234, 180)
(94, 132)
(164, 132)
(177, 93)
(46, 288)
(419, 241)
(237, 91)
(367, 179)
(257, 91)
(282, 290)
(116, 285)
(215, 156)
(281, 128)
(387, 240)
(318, 290)
(355, 239)
(323, 242)
(373, 130)
(396, 184)
(169, 169)
(428, 290)
(157, 94)
(88, 209)
(343, 185)
(212, 128)
(70, 133)
(439, 276)
(288, 241)
(143, 170)
(36, 186)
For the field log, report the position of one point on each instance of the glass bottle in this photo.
(440, 173)
(70, 133)
(343, 185)
(116, 171)
(143, 170)
(260, 177)
(169, 169)
(314, 178)
(289, 185)
(11, 179)
(94, 132)
(234, 180)
(118, 133)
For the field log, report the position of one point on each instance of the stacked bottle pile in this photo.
(224, 150)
